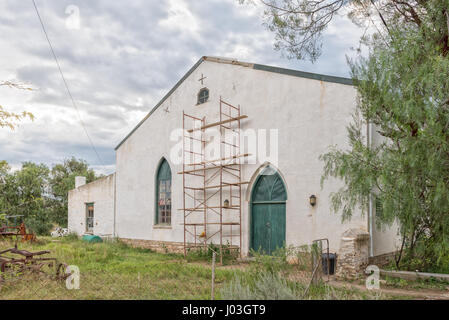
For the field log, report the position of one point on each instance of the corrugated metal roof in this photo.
(289, 72)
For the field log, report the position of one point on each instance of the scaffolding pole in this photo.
(215, 180)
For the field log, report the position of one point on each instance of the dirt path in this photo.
(421, 294)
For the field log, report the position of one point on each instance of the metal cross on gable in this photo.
(202, 78)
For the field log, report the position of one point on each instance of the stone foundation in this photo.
(161, 246)
(382, 260)
(158, 246)
(353, 254)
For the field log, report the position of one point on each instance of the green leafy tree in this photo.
(24, 194)
(4, 170)
(62, 180)
(299, 25)
(39, 194)
(10, 119)
(403, 91)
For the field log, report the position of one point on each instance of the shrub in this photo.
(72, 236)
(267, 286)
(39, 225)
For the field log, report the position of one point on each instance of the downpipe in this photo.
(370, 200)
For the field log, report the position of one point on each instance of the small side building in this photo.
(91, 207)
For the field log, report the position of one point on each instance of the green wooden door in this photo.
(268, 212)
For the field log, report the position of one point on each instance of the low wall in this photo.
(158, 246)
(409, 275)
(163, 246)
(382, 260)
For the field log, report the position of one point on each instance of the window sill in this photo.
(162, 226)
(199, 104)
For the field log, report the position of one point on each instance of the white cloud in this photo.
(120, 62)
(181, 19)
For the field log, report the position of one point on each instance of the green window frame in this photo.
(90, 211)
(203, 96)
(163, 194)
(379, 207)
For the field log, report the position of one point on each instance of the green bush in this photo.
(72, 236)
(283, 260)
(39, 225)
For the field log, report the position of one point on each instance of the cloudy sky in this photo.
(119, 61)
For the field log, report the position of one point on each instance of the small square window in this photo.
(203, 95)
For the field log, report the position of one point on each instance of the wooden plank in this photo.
(201, 209)
(222, 159)
(216, 223)
(208, 168)
(225, 184)
(218, 123)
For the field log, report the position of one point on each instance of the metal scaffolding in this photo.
(212, 188)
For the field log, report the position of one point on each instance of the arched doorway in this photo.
(268, 214)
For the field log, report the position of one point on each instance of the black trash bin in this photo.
(332, 258)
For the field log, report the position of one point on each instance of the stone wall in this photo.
(382, 260)
(353, 254)
(158, 246)
(163, 246)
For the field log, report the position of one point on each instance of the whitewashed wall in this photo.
(101, 194)
(386, 238)
(310, 115)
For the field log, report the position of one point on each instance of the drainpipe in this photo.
(370, 205)
(115, 202)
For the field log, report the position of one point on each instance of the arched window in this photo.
(163, 194)
(203, 95)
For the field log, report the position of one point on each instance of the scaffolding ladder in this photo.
(212, 188)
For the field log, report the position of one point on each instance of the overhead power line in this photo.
(66, 85)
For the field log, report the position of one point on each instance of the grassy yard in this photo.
(117, 271)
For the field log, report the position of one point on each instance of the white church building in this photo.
(171, 190)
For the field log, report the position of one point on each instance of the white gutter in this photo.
(115, 203)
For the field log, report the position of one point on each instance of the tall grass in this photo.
(285, 275)
(113, 270)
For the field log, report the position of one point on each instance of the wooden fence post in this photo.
(213, 276)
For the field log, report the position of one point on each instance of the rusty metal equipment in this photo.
(23, 262)
(16, 232)
(8, 232)
(26, 236)
(317, 256)
(318, 244)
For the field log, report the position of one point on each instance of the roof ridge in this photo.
(261, 67)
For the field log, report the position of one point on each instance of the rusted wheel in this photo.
(3, 265)
(2, 273)
(62, 272)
